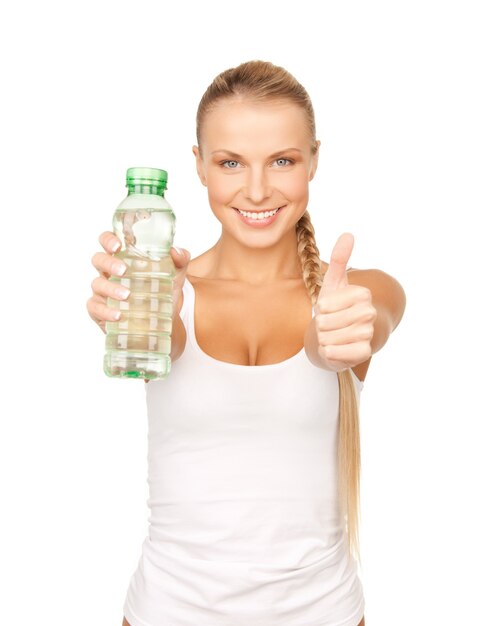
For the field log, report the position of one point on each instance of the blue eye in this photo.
(233, 165)
(283, 161)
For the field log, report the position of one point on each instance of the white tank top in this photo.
(244, 527)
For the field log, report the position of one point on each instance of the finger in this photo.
(340, 317)
(355, 333)
(108, 289)
(100, 312)
(110, 242)
(353, 353)
(336, 275)
(180, 256)
(348, 296)
(107, 265)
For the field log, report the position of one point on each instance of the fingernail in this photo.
(116, 246)
(119, 269)
(122, 292)
(179, 250)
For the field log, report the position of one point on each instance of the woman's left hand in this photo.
(344, 314)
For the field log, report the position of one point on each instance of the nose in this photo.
(257, 187)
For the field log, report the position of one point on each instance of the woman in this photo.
(254, 436)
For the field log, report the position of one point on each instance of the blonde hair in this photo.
(263, 81)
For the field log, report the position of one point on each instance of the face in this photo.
(256, 158)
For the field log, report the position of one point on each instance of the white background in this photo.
(92, 88)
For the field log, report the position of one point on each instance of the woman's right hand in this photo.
(107, 265)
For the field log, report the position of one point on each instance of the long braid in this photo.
(309, 254)
(349, 442)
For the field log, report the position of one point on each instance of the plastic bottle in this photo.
(138, 345)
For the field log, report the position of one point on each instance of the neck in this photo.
(233, 260)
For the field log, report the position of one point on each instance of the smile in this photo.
(259, 216)
(262, 218)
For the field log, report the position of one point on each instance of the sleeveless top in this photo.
(244, 526)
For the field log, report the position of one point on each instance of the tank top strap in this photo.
(187, 298)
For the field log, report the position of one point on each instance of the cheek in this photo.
(221, 188)
(297, 188)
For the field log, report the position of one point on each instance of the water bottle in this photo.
(138, 345)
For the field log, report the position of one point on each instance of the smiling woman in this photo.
(253, 441)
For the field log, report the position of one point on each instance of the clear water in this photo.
(138, 345)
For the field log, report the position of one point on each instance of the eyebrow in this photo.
(239, 156)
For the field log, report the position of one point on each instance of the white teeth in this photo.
(259, 216)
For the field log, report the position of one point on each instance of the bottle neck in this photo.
(152, 190)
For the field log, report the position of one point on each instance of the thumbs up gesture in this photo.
(344, 314)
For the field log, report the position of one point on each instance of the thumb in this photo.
(336, 276)
(180, 256)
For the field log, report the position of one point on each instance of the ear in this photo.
(199, 165)
(314, 161)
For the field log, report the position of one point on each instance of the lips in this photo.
(254, 222)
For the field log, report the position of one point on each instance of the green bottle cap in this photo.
(146, 176)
